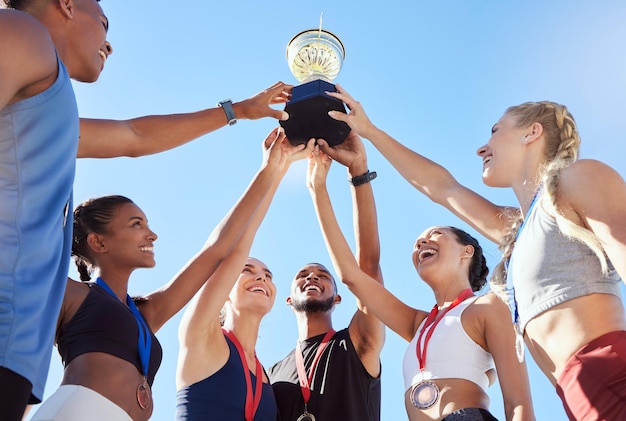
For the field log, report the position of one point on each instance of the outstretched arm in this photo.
(169, 299)
(153, 134)
(372, 295)
(428, 177)
(366, 331)
(201, 341)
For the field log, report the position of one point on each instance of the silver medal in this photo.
(424, 395)
(306, 417)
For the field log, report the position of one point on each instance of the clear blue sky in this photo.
(436, 75)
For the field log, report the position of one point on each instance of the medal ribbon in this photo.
(421, 353)
(144, 344)
(252, 402)
(305, 381)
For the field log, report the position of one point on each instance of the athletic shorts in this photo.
(593, 383)
(470, 414)
(79, 403)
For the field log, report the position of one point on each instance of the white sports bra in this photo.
(451, 353)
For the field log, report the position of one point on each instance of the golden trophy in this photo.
(315, 57)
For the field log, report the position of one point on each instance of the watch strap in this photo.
(227, 106)
(362, 179)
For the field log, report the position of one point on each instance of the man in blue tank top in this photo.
(44, 44)
(342, 368)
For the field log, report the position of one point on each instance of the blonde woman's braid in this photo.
(497, 282)
(566, 147)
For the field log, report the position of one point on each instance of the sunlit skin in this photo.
(253, 290)
(312, 280)
(502, 156)
(127, 244)
(87, 47)
(443, 263)
(515, 157)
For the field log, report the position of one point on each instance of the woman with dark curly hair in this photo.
(455, 349)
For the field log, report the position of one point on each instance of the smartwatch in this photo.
(362, 179)
(227, 106)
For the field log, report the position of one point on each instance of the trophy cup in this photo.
(315, 57)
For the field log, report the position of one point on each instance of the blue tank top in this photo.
(38, 145)
(222, 396)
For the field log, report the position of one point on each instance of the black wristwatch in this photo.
(362, 179)
(227, 106)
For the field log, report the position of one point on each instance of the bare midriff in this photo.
(555, 335)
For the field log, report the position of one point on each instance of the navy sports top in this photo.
(105, 324)
(222, 396)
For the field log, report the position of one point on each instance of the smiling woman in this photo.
(106, 338)
(219, 329)
(455, 349)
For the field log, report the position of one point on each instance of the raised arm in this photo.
(372, 295)
(169, 299)
(428, 177)
(199, 332)
(152, 134)
(366, 330)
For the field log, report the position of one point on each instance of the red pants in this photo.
(593, 383)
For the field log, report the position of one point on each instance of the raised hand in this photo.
(278, 151)
(356, 118)
(258, 106)
(317, 169)
(350, 153)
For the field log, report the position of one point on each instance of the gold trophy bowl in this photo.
(315, 58)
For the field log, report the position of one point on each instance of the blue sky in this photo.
(435, 75)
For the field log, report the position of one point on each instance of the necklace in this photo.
(426, 393)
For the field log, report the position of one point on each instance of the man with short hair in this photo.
(335, 375)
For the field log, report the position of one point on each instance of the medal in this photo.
(144, 346)
(306, 381)
(306, 416)
(144, 395)
(424, 394)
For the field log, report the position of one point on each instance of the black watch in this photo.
(227, 106)
(362, 179)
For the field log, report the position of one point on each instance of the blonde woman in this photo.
(564, 244)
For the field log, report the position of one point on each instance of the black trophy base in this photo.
(308, 114)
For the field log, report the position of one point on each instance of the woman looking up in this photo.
(565, 262)
(105, 338)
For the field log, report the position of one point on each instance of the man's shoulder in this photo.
(21, 28)
(27, 53)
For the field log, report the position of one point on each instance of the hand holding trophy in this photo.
(315, 57)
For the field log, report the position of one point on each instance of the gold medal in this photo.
(424, 394)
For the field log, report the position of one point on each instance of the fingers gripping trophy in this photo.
(315, 57)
